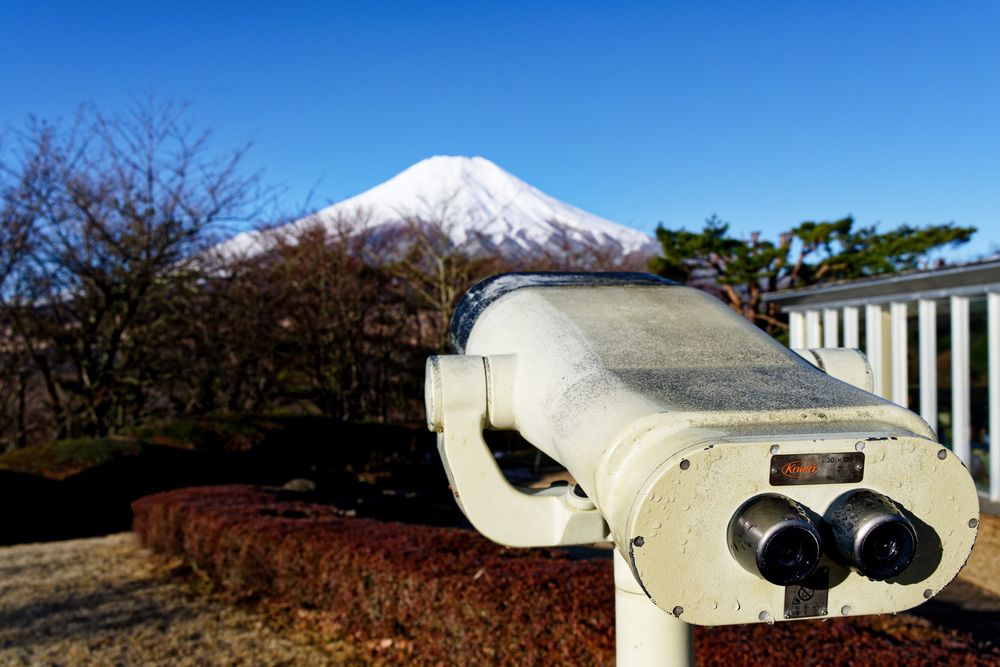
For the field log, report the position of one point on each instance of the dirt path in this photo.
(104, 601)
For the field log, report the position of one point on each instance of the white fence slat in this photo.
(927, 330)
(812, 329)
(831, 328)
(873, 343)
(796, 330)
(898, 352)
(960, 410)
(851, 327)
(993, 336)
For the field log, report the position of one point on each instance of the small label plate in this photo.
(808, 598)
(837, 468)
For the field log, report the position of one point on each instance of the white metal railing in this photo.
(886, 319)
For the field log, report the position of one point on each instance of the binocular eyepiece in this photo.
(774, 537)
(868, 532)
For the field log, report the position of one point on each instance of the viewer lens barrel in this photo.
(772, 536)
(869, 532)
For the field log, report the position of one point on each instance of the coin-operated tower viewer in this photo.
(738, 482)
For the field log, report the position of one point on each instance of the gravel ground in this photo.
(105, 601)
(983, 568)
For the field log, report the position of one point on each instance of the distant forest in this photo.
(115, 309)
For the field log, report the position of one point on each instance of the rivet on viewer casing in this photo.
(775, 449)
(685, 464)
(973, 523)
(678, 610)
(928, 593)
(846, 610)
(859, 446)
(638, 541)
(942, 454)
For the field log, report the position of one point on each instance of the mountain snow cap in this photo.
(469, 197)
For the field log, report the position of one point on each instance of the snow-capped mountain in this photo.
(478, 203)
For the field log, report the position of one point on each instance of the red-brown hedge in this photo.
(455, 598)
(458, 597)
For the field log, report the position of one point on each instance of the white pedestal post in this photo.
(645, 635)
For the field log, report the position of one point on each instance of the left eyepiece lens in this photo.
(773, 537)
(870, 533)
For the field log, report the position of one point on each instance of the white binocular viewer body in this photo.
(738, 482)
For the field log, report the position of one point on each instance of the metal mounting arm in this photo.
(457, 410)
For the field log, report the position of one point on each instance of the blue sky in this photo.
(763, 113)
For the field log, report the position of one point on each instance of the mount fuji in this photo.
(477, 203)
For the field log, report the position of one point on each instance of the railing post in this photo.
(927, 330)
(812, 328)
(960, 409)
(875, 347)
(993, 336)
(851, 327)
(831, 331)
(898, 353)
(796, 330)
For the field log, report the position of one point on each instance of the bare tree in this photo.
(227, 351)
(115, 306)
(330, 290)
(20, 204)
(306, 320)
(570, 249)
(116, 208)
(434, 267)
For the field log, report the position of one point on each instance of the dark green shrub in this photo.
(62, 458)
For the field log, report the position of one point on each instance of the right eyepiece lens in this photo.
(870, 533)
(887, 550)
